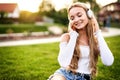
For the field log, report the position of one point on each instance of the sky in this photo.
(33, 5)
(104, 2)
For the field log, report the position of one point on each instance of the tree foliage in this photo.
(47, 9)
(27, 17)
(59, 17)
(4, 19)
(45, 6)
(2, 14)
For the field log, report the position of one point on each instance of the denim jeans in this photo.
(71, 76)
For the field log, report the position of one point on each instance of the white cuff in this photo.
(73, 33)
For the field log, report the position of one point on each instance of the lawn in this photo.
(20, 28)
(37, 62)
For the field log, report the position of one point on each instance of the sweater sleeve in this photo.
(105, 53)
(67, 49)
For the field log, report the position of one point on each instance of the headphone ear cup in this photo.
(89, 13)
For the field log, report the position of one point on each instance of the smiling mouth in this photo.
(78, 23)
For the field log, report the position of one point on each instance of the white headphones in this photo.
(89, 13)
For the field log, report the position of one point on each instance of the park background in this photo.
(39, 19)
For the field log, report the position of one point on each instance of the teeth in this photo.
(80, 21)
(76, 23)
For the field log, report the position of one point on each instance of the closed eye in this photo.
(79, 14)
(72, 18)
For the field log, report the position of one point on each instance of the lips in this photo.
(78, 23)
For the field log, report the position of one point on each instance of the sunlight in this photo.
(104, 2)
(61, 4)
(28, 5)
(33, 5)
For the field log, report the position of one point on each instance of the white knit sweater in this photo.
(67, 49)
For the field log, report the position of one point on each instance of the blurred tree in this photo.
(45, 6)
(27, 17)
(2, 14)
(118, 1)
(46, 9)
(59, 16)
(4, 19)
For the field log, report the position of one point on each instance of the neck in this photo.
(83, 38)
(82, 32)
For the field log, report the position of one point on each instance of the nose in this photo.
(75, 22)
(76, 19)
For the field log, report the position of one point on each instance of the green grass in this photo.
(115, 24)
(37, 62)
(111, 72)
(20, 28)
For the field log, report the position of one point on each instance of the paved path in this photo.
(111, 32)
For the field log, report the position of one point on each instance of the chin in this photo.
(80, 28)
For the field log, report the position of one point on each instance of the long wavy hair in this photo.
(93, 44)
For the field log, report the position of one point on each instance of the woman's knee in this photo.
(58, 77)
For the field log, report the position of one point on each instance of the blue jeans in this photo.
(69, 75)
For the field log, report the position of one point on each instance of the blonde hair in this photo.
(94, 51)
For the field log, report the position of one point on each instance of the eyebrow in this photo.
(79, 13)
(75, 14)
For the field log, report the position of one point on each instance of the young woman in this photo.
(81, 46)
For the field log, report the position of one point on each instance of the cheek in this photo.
(86, 22)
(86, 19)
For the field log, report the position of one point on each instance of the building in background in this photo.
(112, 9)
(11, 10)
(9, 13)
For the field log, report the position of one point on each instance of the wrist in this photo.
(97, 32)
(73, 33)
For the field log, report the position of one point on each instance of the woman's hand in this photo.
(96, 25)
(70, 28)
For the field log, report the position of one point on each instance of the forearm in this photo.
(105, 53)
(67, 50)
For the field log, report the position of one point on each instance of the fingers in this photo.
(71, 27)
(95, 24)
